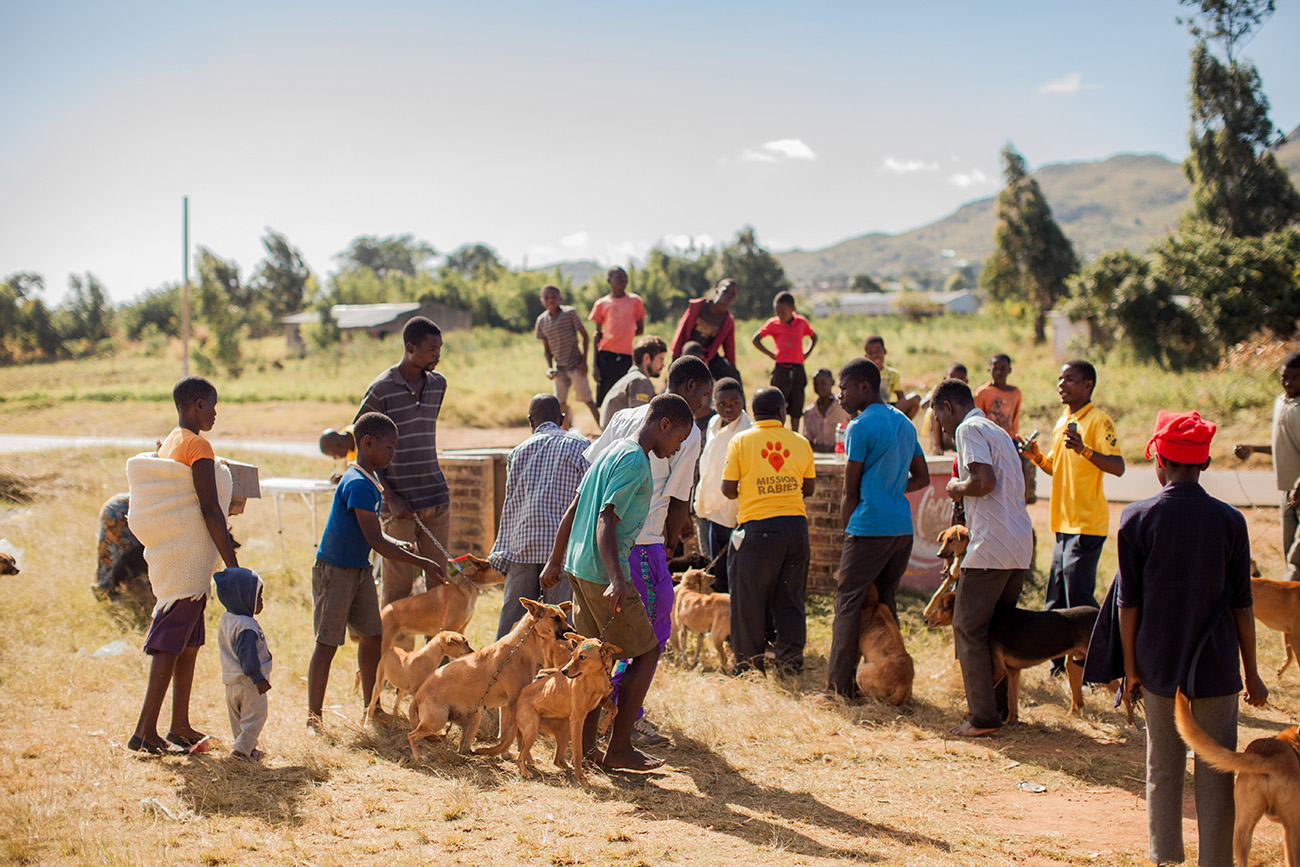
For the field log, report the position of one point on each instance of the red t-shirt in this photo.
(788, 338)
(617, 318)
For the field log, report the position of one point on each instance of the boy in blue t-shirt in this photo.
(885, 463)
(342, 583)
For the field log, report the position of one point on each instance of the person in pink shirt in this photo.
(787, 330)
(620, 319)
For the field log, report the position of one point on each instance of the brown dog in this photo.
(1268, 780)
(447, 606)
(1277, 606)
(407, 670)
(886, 671)
(559, 702)
(492, 676)
(953, 543)
(7, 565)
(697, 610)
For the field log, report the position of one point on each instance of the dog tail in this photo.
(1211, 751)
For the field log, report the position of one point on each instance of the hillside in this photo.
(1127, 200)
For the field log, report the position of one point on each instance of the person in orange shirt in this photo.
(620, 319)
(176, 633)
(1001, 402)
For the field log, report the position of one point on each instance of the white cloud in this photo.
(968, 179)
(1072, 83)
(626, 251)
(575, 241)
(903, 167)
(685, 242)
(781, 149)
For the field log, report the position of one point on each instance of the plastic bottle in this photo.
(841, 455)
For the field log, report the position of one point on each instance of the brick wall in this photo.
(825, 531)
(476, 495)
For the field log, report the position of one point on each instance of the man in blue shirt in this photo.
(885, 462)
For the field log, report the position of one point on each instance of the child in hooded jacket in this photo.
(245, 658)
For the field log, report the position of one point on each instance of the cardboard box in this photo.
(244, 485)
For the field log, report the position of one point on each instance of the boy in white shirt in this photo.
(714, 513)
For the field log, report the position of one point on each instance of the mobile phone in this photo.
(1072, 427)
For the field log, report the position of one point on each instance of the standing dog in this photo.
(1277, 606)
(886, 671)
(448, 606)
(1268, 780)
(699, 611)
(408, 670)
(559, 702)
(492, 676)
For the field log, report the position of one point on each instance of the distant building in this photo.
(376, 320)
(884, 303)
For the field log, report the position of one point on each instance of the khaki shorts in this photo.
(341, 598)
(566, 379)
(629, 630)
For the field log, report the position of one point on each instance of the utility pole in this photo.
(185, 287)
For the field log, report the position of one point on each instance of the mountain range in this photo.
(1127, 200)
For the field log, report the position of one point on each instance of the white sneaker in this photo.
(645, 734)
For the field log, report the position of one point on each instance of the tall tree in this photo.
(1031, 255)
(282, 277)
(400, 254)
(476, 261)
(89, 315)
(221, 306)
(757, 271)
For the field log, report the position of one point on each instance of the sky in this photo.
(559, 130)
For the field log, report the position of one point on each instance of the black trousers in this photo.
(864, 561)
(791, 380)
(768, 576)
(613, 366)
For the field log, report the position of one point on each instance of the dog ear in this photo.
(533, 607)
(573, 636)
(610, 650)
(566, 607)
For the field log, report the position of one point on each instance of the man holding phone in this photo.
(1084, 447)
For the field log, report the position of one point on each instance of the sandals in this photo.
(140, 745)
(191, 745)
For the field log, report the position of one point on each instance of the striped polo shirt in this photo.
(561, 334)
(414, 474)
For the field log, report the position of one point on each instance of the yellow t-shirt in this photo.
(891, 383)
(352, 452)
(185, 447)
(770, 462)
(1078, 503)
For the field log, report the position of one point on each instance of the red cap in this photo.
(1182, 437)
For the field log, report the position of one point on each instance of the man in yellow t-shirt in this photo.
(1084, 447)
(769, 470)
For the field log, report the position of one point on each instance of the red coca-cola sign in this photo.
(931, 515)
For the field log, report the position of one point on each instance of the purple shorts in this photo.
(177, 628)
(648, 572)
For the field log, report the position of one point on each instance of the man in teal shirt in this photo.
(592, 546)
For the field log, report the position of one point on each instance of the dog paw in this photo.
(775, 454)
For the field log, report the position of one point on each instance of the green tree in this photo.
(476, 261)
(395, 254)
(1031, 256)
(160, 308)
(219, 295)
(865, 283)
(281, 279)
(87, 312)
(757, 271)
(14, 292)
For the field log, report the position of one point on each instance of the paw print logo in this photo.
(775, 455)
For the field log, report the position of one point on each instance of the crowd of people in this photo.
(595, 521)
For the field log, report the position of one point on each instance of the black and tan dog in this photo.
(1268, 780)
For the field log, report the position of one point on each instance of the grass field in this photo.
(492, 374)
(761, 771)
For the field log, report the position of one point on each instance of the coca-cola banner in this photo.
(931, 515)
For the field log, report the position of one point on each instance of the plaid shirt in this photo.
(541, 482)
(414, 474)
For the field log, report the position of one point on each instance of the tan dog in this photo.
(559, 702)
(953, 543)
(886, 671)
(7, 565)
(1277, 606)
(492, 676)
(407, 670)
(697, 610)
(447, 606)
(1268, 780)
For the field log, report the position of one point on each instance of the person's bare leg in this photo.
(621, 755)
(595, 412)
(161, 669)
(368, 652)
(318, 676)
(182, 684)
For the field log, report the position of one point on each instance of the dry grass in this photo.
(762, 771)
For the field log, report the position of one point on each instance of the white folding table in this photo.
(307, 489)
